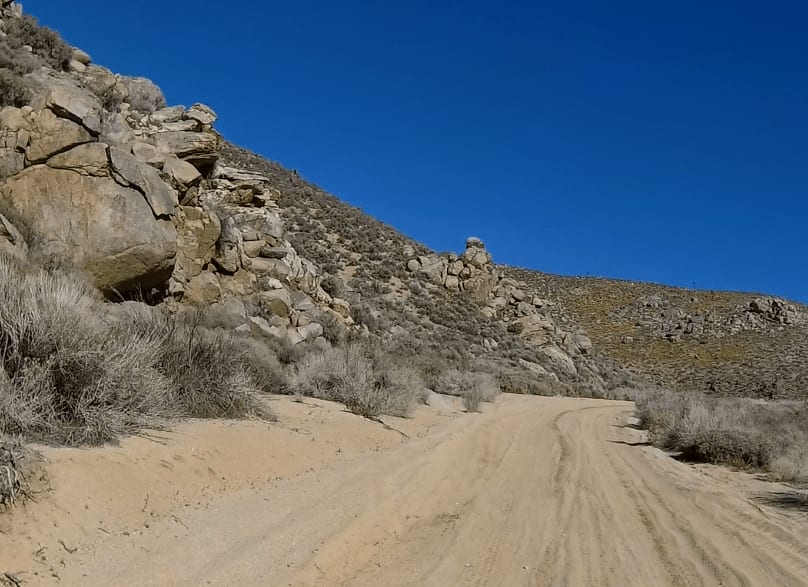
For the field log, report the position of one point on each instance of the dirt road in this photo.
(533, 492)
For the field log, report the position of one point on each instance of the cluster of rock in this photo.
(97, 171)
(660, 317)
(769, 310)
(474, 273)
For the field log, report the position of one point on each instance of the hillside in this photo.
(726, 343)
(149, 205)
(137, 246)
(272, 385)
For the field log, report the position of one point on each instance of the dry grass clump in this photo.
(733, 431)
(361, 376)
(73, 372)
(12, 483)
(475, 387)
(791, 466)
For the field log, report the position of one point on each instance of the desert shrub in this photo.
(143, 94)
(791, 466)
(333, 286)
(208, 370)
(475, 387)
(73, 372)
(521, 381)
(13, 89)
(333, 330)
(12, 477)
(732, 431)
(266, 369)
(362, 377)
(46, 43)
(68, 376)
(17, 60)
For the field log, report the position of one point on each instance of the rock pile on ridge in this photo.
(507, 300)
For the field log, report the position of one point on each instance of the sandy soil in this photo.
(534, 491)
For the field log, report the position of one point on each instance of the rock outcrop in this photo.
(565, 351)
(675, 322)
(97, 170)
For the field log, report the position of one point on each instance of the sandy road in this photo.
(535, 491)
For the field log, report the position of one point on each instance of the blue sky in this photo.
(644, 140)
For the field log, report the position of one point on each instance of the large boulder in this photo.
(107, 229)
(199, 148)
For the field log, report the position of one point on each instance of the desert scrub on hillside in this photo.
(360, 375)
(78, 371)
(44, 42)
(734, 431)
(13, 90)
(475, 387)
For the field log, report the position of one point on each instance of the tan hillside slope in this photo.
(726, 343)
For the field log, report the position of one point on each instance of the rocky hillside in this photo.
(153, 205)
(99, 174)
(725, 343)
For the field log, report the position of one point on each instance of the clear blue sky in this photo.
(659, 141)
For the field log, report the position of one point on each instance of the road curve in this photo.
(533, 492)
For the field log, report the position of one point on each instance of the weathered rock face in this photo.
(98, 206)
(106, 229)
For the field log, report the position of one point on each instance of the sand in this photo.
(533, 491)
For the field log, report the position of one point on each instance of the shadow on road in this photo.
(792, 500)
(628, 443)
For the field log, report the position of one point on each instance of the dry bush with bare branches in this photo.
(73, 371)
(360, 375)
(771, 435)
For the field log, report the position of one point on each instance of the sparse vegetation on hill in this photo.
(715, 342)
(366, 261)
(45, 43)
(47, 48)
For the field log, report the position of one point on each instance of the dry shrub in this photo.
(12, 478)
(791, 466)
(475, 387)
(13, 89)
(73, 372)
(521, 381)
(46, 43)
(733, 431)
(143, 94)
(362, 377)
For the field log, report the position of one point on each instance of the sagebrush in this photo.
(475, 387)
(359, 374)
(76, 370)
(769, 435)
